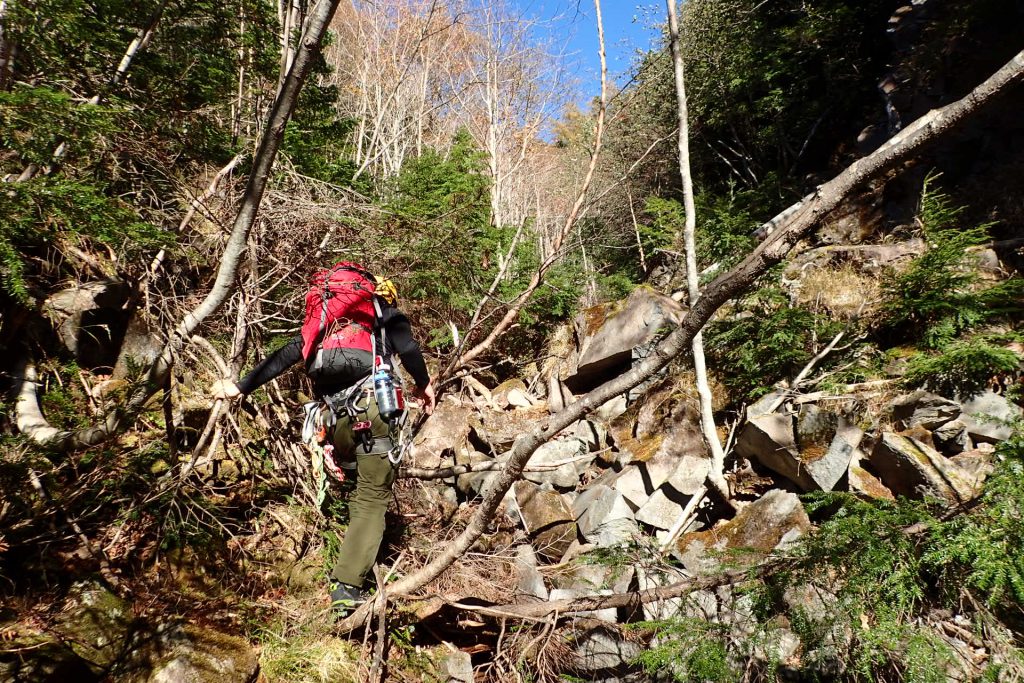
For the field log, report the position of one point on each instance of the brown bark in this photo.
(800, 223)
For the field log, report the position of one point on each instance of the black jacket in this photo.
(398, 335)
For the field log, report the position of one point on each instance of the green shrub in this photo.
(688, 649)
(963, 367)
(764, 341)
(981, 552)
(39, 212)
(939, 297)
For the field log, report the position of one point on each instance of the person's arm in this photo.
(401, 341)
(271, 366)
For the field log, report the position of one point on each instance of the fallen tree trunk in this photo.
(795, 226)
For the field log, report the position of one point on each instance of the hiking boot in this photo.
(346, 597)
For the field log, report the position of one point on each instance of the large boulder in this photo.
(510, 393)
(562, 459)
(630, 484)
(952, 437)
(547, 518)
(90, 320)
(609, 333)
(662, 510)
(988, 417)
(497, 430)
(37, 657)
(186, 653)
(604, 652)
(924, 409)
(773, 520)
(914, 469)
(648, 578)
(473, 483)
(529, 580)
(96, 624)
(813, 450)
(867, 485)
(660, 431)
(440, 435)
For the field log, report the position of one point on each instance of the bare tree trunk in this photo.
(800, 223)
(707, 419)
(235, 249)
(556, 246)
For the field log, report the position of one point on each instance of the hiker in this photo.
(348, 330)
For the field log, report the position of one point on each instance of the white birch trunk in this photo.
(707, 418)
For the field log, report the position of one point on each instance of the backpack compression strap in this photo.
(325, 290)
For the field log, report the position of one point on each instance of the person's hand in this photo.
(426, 397)
(225, 389)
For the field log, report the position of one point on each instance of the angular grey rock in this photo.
(457, 667)
(564, 453)
(630, 484)
(609, 333)
(951, 438)
(975, 465)
(921, 408)
(499, 429)
(660, 511)
(772, 441)
(650, 577)
(500, 394)
(690, 474)
(987, 417)
(520, 399)
(815, 426)
(866, 484)
(442, 433)
(546, 518)
(761, 406)
(593, 434)
(529, 580)
(473, 483)
(913, 469)
(604, 650)
(755, 530)
(611, 409)
(830, 468)
(604, 518)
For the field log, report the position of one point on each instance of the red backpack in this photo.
(340, 312)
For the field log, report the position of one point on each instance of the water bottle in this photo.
(384, 392)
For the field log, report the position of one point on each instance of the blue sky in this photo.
(628, 26)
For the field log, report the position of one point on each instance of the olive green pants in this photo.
(374, 477)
